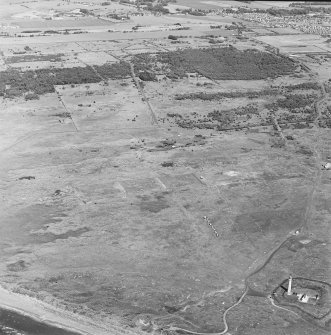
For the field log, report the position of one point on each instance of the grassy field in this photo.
(156, 184)
(51, 24)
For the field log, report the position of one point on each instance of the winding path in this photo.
(226, 327)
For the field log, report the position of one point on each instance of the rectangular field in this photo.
(89, 22)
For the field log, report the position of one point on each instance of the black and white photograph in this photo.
(165, 167)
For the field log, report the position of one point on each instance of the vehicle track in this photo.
(66, 109)
(282, 308)
(150, 108)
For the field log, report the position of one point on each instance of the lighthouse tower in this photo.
(289, 288)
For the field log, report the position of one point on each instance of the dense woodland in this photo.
(15, 83)
(226, 63)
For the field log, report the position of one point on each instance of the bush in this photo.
(295, 101)
(147, 76)
(31, 31)
(158, 8)
(303, 86)
(195, 12)
(85, 11)
(51, 32)
(31, 96)
(224, 95)
(172, 37)
(174, 115)
(223, 117)
(167, 164)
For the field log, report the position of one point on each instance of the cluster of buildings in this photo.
(309, 24)
(303, 295)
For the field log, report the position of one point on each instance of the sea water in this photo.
(12, 323)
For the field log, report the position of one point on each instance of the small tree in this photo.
(147, 76)
(173, 37)
(31, 96)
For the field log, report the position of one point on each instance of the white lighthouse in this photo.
(289, 288)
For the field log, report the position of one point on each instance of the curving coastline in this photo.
(52, 316)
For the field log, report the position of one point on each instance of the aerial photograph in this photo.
(165, 167)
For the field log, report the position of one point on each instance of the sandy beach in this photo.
(52, 316)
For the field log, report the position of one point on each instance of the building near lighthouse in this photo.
(304, 295)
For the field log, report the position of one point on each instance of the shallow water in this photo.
(12, 323)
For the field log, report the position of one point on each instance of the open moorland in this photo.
(165, 168)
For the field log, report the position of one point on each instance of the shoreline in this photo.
(52, 316)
